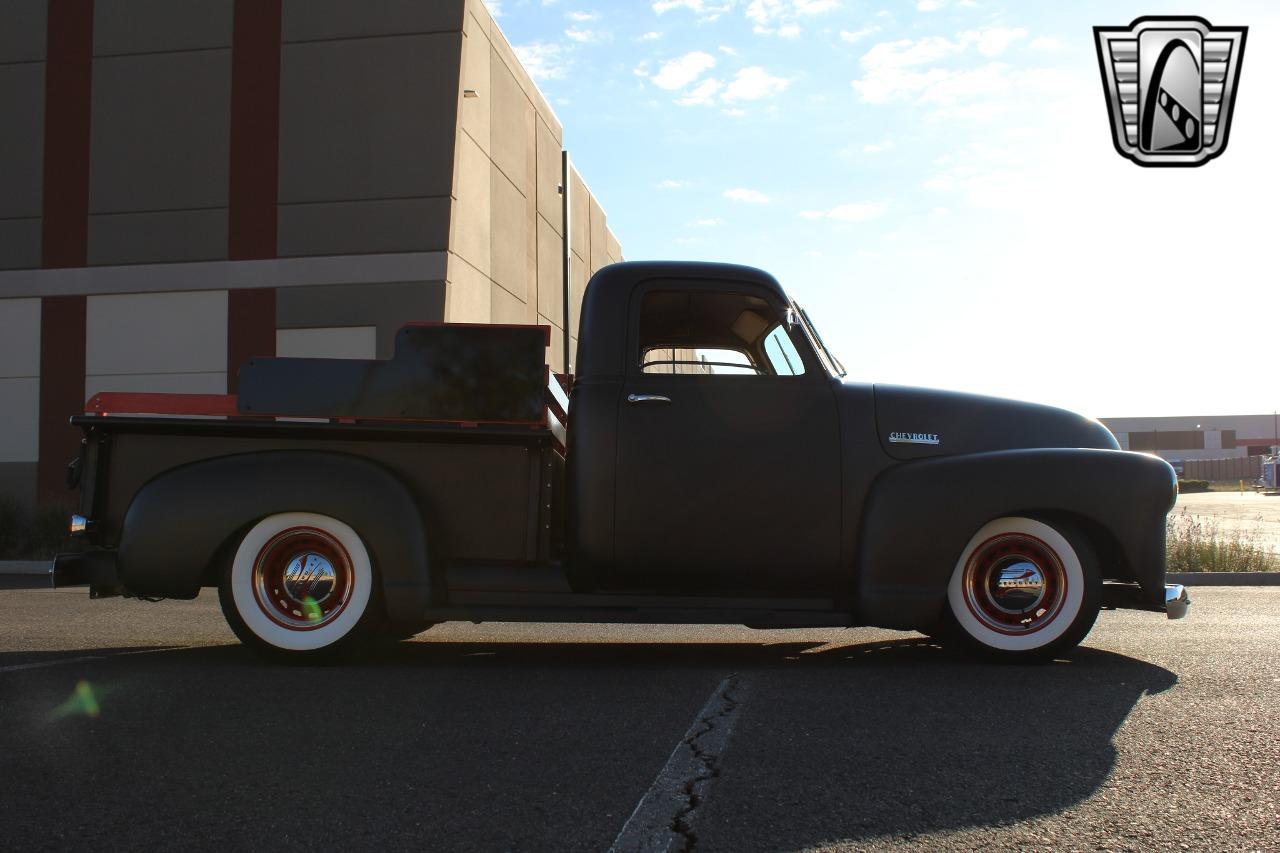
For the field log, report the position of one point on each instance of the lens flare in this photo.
(82, 701)
(312, 610)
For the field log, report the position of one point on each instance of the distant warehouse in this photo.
(188, 185)
(1182, 439)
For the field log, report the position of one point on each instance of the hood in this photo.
(914, 423)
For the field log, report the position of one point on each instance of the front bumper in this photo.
(1176, 600)
(1129, 596)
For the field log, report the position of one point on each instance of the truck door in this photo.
(728, 469)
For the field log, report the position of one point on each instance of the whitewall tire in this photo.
(299, 582)
(1023, 588)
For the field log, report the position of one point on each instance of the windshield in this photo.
(811, 332)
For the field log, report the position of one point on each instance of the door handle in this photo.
(647, 398)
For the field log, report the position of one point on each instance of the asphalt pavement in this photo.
(129, 725)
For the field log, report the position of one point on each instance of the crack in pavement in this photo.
(663, 820)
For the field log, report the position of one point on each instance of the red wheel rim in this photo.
(1015, 584)
(302, 578)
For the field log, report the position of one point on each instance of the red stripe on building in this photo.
(255, 143)
(255, 129)
(62, 330)
(68, 92)
(251, 329)
(65, 237)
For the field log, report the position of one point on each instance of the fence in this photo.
(1247, 468)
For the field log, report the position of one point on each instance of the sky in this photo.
(936, 183)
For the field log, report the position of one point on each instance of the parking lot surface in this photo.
(126, 724)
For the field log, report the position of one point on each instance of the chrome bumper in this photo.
(1176, 600)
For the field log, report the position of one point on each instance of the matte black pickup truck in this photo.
(714, 466)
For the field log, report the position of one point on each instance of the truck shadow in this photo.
(833, 742)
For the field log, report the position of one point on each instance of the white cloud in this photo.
(851, 36)
(584, 36)
(543, 60)
(1047, 44)
(754, 83)
(779, 17)
(854, 212)
(877, 147)
(993, 40)
(701, 94)
(705, 10)
(728, 51)
(734, 111)
(651, 36)
(746, 196)
(678, 73)
(670, 184)
(930, 5)
(582, 17)
(920, 70)
(704, 223)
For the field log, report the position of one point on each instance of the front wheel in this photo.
(1023, 589)
(300, 586)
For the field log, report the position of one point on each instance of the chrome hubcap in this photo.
(1016, 585)
(303, 578)
(309, 576)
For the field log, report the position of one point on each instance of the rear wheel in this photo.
(300, 586)
(1023, 589)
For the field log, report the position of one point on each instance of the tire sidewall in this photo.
(257, 627)
(1075, 617)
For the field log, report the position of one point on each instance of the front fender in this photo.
(920, 515)
(179, 521)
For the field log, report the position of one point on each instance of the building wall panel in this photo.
(154, 26)
(168, 236)
(368, 118)
(468, 294)
(476, 63)
(386, 307)
(20, 241)
(363, 227)
(160, 132)
(214, 382)
(550, 272)
(509, 250)
(471, 229)
(18, 482)
(314, 20)
(549, 202)
(332, 342)
(19, 420)
(508, 121)
(19, 338)
(157, 333)
(23, 38)
(22, 140)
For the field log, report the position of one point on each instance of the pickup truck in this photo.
(709, 463)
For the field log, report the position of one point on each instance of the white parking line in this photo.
(663, 819)
(66, 661)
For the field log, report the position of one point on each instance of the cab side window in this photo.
(714, 333)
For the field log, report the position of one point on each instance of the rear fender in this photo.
(921, 515)
(184, 521)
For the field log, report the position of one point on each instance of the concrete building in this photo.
(1179, 439)
(186, 185)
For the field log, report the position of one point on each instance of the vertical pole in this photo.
(566, 269)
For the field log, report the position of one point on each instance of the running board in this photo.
(752, 618)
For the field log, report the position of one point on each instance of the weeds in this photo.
(1198, 544)
(33, 534)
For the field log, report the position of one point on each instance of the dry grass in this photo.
(1198, 544)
